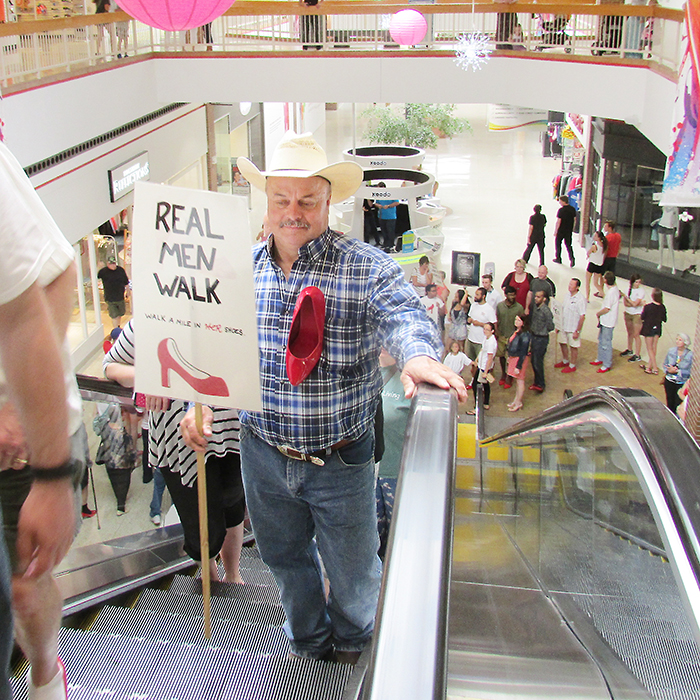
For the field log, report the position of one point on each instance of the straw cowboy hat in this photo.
(298, 155)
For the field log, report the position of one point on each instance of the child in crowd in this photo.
(455, 359)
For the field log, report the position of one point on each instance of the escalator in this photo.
(558, 558)
(576, 557)
(133, 622)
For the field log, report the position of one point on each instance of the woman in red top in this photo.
(520, 281)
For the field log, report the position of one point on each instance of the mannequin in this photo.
(667, 225)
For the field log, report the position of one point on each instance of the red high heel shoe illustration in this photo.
(306, 334)
(171, 359)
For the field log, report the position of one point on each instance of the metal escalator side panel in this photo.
(409, 647)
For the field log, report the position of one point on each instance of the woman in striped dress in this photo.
(178, 464)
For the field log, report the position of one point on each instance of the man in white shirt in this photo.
(40, 410)
(607, 320)
(493, 296)
(434, 306)
(479, 313)
(573, 314)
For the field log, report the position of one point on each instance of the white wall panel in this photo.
(46, 120)
(77, 193)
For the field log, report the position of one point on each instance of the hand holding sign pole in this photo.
(194, 304)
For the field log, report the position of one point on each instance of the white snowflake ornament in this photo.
(473, 51)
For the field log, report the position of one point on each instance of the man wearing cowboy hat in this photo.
(307, 457)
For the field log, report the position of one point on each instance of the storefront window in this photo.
(84, 319)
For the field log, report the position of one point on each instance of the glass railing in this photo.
(48, 47)
(605, 490)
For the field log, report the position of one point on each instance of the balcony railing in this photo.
(37, 49)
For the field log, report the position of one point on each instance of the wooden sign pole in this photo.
(203, 527)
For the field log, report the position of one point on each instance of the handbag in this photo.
(489, 377)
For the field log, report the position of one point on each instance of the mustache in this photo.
(294, 223)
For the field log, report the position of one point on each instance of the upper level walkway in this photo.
(49, 49)
(614, 61)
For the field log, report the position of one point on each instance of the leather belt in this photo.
(312, 457)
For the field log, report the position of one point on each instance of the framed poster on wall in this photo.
(465, 268)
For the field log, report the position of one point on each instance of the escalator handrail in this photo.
(409, 651)
(671, 452)
(104, 390)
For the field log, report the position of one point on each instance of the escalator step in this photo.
(186, 585)
(258, 575)
(250, 559)
(178, 629)
(115, 668)
(255, 576)
(221, 608)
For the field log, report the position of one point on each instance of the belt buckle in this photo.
(290, 452)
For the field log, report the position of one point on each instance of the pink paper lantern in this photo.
(408, 27)
(175, 15)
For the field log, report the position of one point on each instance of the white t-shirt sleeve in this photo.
(581, 306)
(34, 249)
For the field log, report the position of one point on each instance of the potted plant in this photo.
(418, 125)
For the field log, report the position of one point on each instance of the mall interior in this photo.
(547, 552)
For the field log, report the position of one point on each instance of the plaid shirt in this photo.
(369, 305)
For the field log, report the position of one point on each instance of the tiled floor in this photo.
(490, 182)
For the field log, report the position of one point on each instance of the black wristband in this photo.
(67, 470)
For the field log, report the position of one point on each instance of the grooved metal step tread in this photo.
(113, 667)
(250, 559)
(258, 576)
(221, 608)
(179, 629)
(186, 585)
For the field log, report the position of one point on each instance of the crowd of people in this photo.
(522, 314)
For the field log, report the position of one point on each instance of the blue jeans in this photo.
(158, 488)
(299, 510)
(388, 227)
(538, 349)
(605, 349)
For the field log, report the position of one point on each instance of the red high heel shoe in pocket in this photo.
(306, 334)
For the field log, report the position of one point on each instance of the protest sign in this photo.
(194, 302)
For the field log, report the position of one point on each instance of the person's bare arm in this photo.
(59, 296)
(125, 375)
(30, 351)
(122, 374)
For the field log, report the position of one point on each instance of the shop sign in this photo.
(123, 178)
